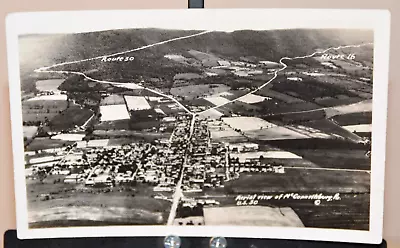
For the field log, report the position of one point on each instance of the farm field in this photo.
(353, 118)
(189, 92)
(302, 180)
(354, 208)
(329, 127)
(114, 112)
(336, 158)
(136, 103)
(309, 89)
(69, 118)
(49, 85)
(207, 59)
(336, 100)
(264, 154)
(244, 123)
(363, 106)
(29, 131)
(130, 134)
(112, 100)
(121, 141)
(290, 162)
(122, 205)
(251, 216)
(315, 143)
(274, 107)
(46, 143)
(361, 128)
(275, 133)
(217, 100)
(252, 98)
(187, 76)
(241, 108)
(68, 136)
(113, 125)
(351, 212)
(227, 135)
(309, 131)
(305, 132)
(212, 114)
(98, 143)
(279, 96)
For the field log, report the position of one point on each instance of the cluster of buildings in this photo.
(207, 161)
(164, 173)
(190, 149)
(244, 69)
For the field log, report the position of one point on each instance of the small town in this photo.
(174, 132)
(188, 162)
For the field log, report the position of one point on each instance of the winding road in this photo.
(283, 68)
(133, 85)
(119, 84)
(178, 191)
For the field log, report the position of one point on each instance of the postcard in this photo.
(259, 123)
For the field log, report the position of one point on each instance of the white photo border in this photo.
(207, 19)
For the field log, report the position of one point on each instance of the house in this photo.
(224, 63)
(103, 179)
(162, 188)
(243, 147)
(279, 169)
(151, 178)
(73, 178)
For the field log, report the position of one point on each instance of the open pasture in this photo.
(340, 158)
(112, 100)
(137, 103)
(198, 90)
(302, 180)
(49, 85)
(70, 118)
(245, 123)
(29, 131)
(363, 106)
(353, 118)
(114, 112)
(275, 133)
(251, 216)
(46, 143)
(361, 128)
(264, 154)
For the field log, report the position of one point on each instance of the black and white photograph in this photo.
(200, 125)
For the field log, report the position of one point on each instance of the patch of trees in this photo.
(77, 83)
(184, 212)
(309, 89)
(293, 118)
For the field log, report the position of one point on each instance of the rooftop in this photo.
(49, 98)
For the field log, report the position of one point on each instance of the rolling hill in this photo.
(43, 50)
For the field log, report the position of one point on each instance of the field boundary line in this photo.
(326, 169)
(283, 68)
(124, 52)
(46, 69)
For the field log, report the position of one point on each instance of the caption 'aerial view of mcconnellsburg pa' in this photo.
(175, 127)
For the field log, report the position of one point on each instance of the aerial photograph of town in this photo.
(154, 126)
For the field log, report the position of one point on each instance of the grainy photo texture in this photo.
(195, 127)
(198, 127)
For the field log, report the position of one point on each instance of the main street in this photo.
(178, 189)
